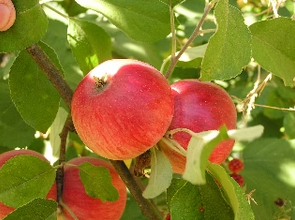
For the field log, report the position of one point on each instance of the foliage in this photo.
(246, 47)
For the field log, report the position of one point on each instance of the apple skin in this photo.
(128, 115)
(5, 210)
(7, 14)
(200, 106)
(82, 205)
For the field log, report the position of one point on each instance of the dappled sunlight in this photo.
(287, 173)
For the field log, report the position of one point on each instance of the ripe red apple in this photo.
(122, 108)
(5, 210)
(200, 106)
(82, 205)
(7, 14)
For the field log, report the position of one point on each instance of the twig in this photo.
(52, 72)
(191, 38)
(145, 205)
(66, 93)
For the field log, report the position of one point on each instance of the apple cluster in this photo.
(235, 166)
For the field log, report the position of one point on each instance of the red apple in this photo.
(5, 210)
(122, 108)
(83, 206)
(200, 106)
(7, 14)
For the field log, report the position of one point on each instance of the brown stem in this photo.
(196, 32)
(145, 205)
(66, 93)
(52, 72)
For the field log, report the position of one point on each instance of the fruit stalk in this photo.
(66, 93)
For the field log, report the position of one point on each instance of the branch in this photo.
(196, 32)
(145, 205)
(52, 72)
(66, 93)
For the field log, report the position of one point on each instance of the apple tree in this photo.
(194, 101)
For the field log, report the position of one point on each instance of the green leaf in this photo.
(72, 8)
(193, 53)
(97, 182)
(14, 132)
(198, 151)
(202, 144)
(32, 93)
(273, 45)
(191, 202)
(289, 125)
(229, 48)
(29, 27)
(269, 170)
(141, 20)
(21, 178)
(90, 44)
(232, 192)
(161, 175)
(38, 209)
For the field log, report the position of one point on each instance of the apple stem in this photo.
(145, 205)
(55, 77)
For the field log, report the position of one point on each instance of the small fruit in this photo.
(235, 165)
(5, 210)
(199, 106)
(83, 206)
(7, 14)
(238, 178)
(122, 108)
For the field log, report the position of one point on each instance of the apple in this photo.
(122, 108)
(5, 210)
(200, 106)
(7, 14)
(83, 206)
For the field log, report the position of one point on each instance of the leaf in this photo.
(191, 202)
(202, 144)
(141, 20)
(14, 132)
(193, 53)
(289, 125)
(198, 151)
(41, 209)
(269, 170)
(273, 45)
(97, 182)
(232, 192)
(21, 178)
(55, 130)
(246, 134)
(90, 44)
(29, 27)
(32, 93)
(229, 48)
(161, 175)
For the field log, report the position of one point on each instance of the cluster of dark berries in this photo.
(235, 166)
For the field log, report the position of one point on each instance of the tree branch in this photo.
(145, 205)
(66, 93)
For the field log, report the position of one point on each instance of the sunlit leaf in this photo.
(229, 48)
(142, 20)
(273, 47)
(161, 175)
